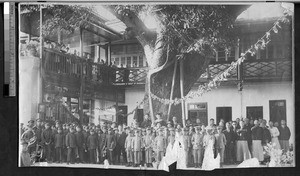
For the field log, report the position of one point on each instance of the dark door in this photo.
(224, 113)
(121, 116)
(254, 112)
(277, 110)
(140, 115)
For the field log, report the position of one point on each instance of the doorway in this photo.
(277, 110)
(224, 113)
(254, 112)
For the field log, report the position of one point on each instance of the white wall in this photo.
(132, 97)
(29, 88)
(258, 94)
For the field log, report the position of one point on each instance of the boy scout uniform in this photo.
(137, 147)
(147, 143)
(160, 143)
(186, 144)
(197, 143)
(128, 148)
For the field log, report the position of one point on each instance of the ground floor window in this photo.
(277, 110)
(254, 112)
(197, 110)
(224, 113)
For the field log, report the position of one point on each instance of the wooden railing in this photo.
(70, 67)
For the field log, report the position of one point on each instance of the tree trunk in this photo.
(161, 82)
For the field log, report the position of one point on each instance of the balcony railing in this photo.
(69, 67)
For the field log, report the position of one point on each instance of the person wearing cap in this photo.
(25, 156)
(110, 144)
(128, 147)
(58, 145)
(121, 156)
(80, 142)
(160, 145)
(197, 143)
(30, 137)
(92, 143)
(147, 144)
(220, 143)
(71, 145)
(186, 143)
(101, 144)
(137, 147)
(46, 141)
(169, 124)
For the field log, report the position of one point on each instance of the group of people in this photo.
(148, 143)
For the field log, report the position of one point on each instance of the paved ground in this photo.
(44, 164)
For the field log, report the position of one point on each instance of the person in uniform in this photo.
(110, 144)
(143, 156)
(71, 146)
(58, 144)
(186, 143)
(257, 136)
(147, 144)
(190, 153)
(92, 143)
(160, 145)
(47, 139)
(128, 147)
(249, 135)
(80, 142)
(221, 142)
(197, 144)
(30, 137)
(137, 147)
(121, 157)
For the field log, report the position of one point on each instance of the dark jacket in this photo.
(266, 136)
(92, 141)
(230, 136)
(71, 140)
(80, 141)
(285, 133)
(110, 142)
(101, 141)
(257, 133)
(47, 136)
(146, 123)
(38, 134)
(242, 134)
(59, 140)
(121, 140)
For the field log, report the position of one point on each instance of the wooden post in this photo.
(150, 99)
(81, 79)
(117, 107)
(172, 89)
(182, 92)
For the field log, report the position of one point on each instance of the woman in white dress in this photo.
(274, 134)
(209, 162)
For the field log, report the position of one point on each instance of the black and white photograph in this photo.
(142, 86)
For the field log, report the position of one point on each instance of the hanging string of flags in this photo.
(215, 82)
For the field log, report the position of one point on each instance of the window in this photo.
(197, 110)
(277, 110)
(254, 112)
(141, 64)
